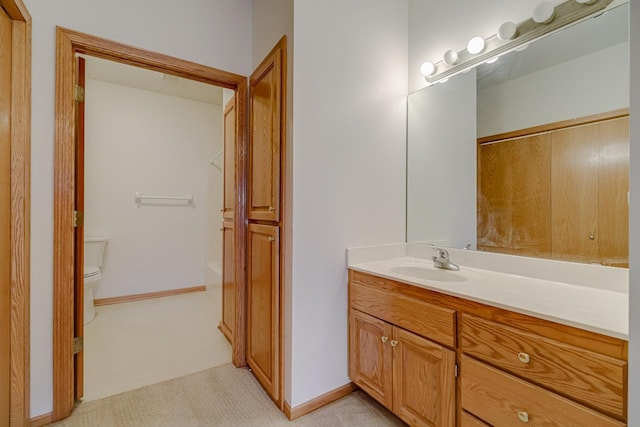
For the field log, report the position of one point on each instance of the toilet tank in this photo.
(94, 250)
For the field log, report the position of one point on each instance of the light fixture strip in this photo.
(565, 13)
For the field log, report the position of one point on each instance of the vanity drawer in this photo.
(410, 313)
(582, 375)
(467, 420)
(503, 400)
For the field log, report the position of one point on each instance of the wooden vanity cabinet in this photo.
(407, 344)
(410, 375)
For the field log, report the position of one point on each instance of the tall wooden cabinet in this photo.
(265, 199)
(559, 194)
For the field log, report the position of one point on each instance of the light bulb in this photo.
(544, 12)
(586, 1)
(507, 31)
(475, 45)
(427, 69)
(450, 57)
(492, 60)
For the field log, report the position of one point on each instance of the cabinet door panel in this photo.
(370, 356)
(423, 381)
(229, 159)
(227, 325)
(613, 185)
(265, 102)
(574, 193)
(263, 282)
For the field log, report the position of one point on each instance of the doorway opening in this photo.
(69, 230)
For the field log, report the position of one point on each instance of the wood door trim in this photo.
(148, 295)
(555, 126)
(318, 402)
(20, 210)
(68, 43)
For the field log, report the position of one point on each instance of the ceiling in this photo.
(140, 78)
(600, 32)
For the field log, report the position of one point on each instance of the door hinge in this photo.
(78, 93)
(78, 345)
(455, 370)
(78, 218)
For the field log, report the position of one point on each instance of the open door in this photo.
(78, 223)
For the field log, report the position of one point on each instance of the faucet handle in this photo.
(442, 253)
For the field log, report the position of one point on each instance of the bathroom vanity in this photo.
(485, 347)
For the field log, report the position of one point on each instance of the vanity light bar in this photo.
(523, 33)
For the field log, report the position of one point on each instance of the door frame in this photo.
(68, 44)
(20, 209)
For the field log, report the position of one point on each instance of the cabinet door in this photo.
(574, 195)
(423, 381)
(370, 356)
(263, 298)
(229, 199)
(613, 187)
(266, 134)
(227, 324)
(514, 202)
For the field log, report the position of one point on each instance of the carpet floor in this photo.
(222, 396)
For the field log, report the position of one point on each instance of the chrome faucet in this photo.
(441, 260)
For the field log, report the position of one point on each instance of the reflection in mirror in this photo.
(528, 155)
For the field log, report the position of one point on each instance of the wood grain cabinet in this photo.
(437, 360)
(410, 375)
(227, 324)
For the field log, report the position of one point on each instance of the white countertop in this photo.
(604, 310)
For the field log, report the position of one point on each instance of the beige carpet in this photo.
(222, 396)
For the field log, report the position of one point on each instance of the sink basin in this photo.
(437, 275)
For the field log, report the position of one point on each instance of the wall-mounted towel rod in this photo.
(140, 197)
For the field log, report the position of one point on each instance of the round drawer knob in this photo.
(384, 339)
(523, 416)
(523, 357)
(394, 343)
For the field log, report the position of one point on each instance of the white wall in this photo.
(349, 94)
(441, 200)
(562, 92)
(215, 33)
(156, 144)
(634, 222)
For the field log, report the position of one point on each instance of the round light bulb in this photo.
(475, 45)
(492, 60)
(427, 69)
(507, 31)
(544, 12)
(586, 1)
(450, 57)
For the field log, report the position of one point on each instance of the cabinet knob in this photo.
(592, 237)
(394, 343)
(523, 357)
(271, 238)
(271, 209)
(384, 339)
(523, 416)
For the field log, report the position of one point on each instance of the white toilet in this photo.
(93, 256)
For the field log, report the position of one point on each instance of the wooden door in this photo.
(227, 324)
(5, 216)
(79, 229)
(229, 198)
(613, 187)
(423, 381)
(370, 355)
(514, 199)
(263, 306)
(574, 194)
(266, 116)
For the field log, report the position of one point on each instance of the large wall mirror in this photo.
(528, 155)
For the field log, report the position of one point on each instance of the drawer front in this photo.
(412, 314)
(503, 400)
(467, 420)
(592, 379)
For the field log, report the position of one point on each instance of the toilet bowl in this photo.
(93, 259)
